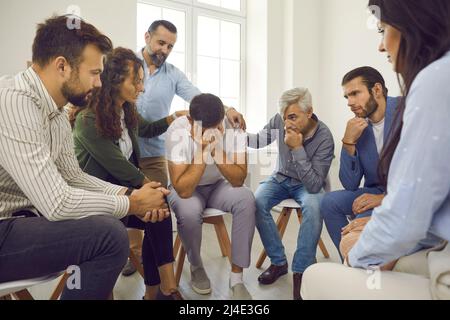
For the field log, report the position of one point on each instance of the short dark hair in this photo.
(370, 78)
(208, 109)
(166, 24)
(56, 37)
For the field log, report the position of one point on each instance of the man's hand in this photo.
(355, 129)
(149, 202)
(182, 113)
(367, 202)
(293, 137)
(236, 119)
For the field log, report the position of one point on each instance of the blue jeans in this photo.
(337, 210)
(269, 194)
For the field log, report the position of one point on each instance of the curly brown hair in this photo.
(118, 66)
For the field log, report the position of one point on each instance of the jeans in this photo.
(271, 193)
(35, 247)
(336, 210)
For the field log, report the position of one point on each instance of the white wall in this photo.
(18, 20)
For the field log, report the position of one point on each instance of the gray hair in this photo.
(302, 96)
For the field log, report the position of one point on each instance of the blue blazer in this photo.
(365, 162)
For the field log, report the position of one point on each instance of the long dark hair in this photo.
(118, 66)
(425, 38)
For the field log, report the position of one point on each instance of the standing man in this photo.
(52, 214)
(162, 82)
(367, 96)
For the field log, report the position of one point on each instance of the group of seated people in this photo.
(87, 177)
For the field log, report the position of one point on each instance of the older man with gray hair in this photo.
(306, 150)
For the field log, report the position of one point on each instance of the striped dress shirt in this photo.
(38, 168)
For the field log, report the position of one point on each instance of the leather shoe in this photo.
(272, 274)
(297, 286)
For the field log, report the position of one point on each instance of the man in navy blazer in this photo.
(367, 96)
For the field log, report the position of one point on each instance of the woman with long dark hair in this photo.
(105, 136)
(409, 232)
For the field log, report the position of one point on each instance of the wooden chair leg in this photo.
(282, 222)
(324, 249)
(60, 287)
(220, 240)
(137, 263)
(176, 247)
(180, 264)
(224, 239)
(23, 295)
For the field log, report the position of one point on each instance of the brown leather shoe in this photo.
(272, 274)
(297, 284)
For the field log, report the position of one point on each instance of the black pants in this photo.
(157, 247)
(34, 247)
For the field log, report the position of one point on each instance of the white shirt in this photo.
(181, 148)
(38, 168)
(378, 131)
(125, 143)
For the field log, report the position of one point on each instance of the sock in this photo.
(236, 278)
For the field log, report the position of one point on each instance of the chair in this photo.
(282, 222)
(19, 289)
(210, 216)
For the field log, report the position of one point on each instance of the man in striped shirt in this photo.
(52, 215)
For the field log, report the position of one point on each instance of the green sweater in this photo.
(102, 157)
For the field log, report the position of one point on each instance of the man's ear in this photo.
(377, 90)
(310, 113)
(62, 66)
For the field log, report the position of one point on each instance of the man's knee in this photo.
(112, 233)
(244, 197)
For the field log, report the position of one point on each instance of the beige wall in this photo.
(18, 20)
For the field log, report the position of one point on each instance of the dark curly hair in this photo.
(118, 66)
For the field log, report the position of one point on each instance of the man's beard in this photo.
(371, 107)
(77, 99)
(158, 60)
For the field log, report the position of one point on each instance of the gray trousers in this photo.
(222, 196)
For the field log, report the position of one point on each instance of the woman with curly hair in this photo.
(105, 136)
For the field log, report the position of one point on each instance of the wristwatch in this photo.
(129, 192)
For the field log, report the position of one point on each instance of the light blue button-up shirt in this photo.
(416, 210)
(155, 103)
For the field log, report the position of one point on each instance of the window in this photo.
(209, 49)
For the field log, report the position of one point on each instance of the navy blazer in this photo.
(365, 162)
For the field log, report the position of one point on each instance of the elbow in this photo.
(238, 183)
(184, 193)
